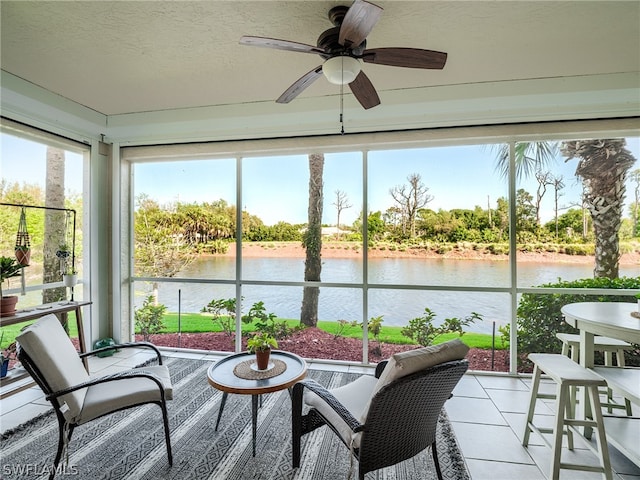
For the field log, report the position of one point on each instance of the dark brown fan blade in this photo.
(364, 91)
(299, 85)
(279, 44)
(406, 57)
(358, 23)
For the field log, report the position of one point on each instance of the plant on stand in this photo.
(70, 280)
(67, 268)
(9, 267)
(261, 344)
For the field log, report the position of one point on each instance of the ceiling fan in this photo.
(343, 47)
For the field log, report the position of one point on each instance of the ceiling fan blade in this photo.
(279, 44)
(299, 85)
(358, 23)
(406, 57)
(364, 91)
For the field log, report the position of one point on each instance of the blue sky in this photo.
(276, 188)
(24, 161)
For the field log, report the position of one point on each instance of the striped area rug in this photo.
(130, 444)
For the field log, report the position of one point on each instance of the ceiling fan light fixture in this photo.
(341, 69)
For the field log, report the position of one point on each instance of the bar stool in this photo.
(567, 374)
(608, 346)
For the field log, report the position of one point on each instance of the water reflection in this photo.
(397, 306)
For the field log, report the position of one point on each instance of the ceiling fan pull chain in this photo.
(342, 97)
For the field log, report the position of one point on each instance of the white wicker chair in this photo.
(47, 353)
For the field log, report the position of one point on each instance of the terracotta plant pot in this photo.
(262, 359)
(23, 257)
(8, 306)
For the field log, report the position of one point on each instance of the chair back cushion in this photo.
(52, 353)
(406, 363)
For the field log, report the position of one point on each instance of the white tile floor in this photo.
(487, 413)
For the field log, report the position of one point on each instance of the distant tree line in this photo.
(203, 225)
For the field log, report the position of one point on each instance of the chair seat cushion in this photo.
(113, 395)
(354, 397)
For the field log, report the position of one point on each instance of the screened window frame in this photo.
(365, 143)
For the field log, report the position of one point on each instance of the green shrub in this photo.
(422, 330)
(218, 246)
(149, 318)
(578, 249)
(224, 314)
(498, 248)
(540, 318)
(342, 326)
(442, 249)
(374, 327)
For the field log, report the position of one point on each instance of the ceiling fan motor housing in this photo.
(328, 41)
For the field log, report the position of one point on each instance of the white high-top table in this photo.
(614, 320)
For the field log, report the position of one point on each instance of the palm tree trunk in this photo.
(54, 223)
(313, 243)
(603, 166)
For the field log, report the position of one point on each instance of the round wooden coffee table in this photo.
(237, 374)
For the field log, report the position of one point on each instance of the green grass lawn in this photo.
(10, 332)
(196, 322)
(200, 323)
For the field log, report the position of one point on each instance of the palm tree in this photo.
(313, 242)
(530, 158)
(603, 167)
(54, 224)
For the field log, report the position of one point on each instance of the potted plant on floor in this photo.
(261, 344)
(9, 267)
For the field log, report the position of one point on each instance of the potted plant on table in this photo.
(9, 267)
(261, 344)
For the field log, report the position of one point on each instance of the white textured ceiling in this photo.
(120, 57)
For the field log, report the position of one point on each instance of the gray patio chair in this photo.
(387, 418)
(46, 352)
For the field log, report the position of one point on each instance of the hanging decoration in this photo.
(23, 243)
(66, 253)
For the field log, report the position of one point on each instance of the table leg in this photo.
(80, 324)
(587, 361)
(254, 419)
(64, 320)
(222, 402)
